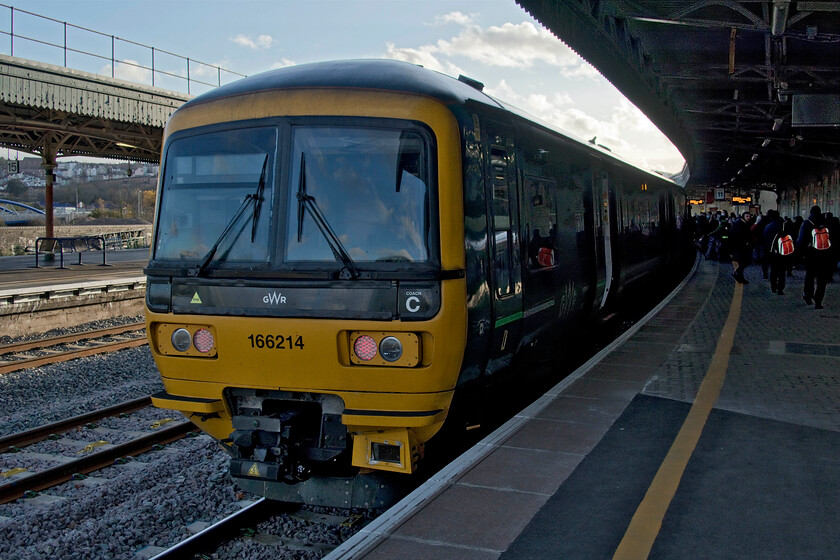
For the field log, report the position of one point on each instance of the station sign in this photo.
(741, 199)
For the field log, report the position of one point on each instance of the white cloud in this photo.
(510, 45)
(647, 147)
(536, 103)
(202, 70)
(283, 63)
(458, 18)
(129, 70)
(624, 129)
(424, 56)
(262, 42)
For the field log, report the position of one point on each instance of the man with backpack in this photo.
(779, 248)
(814, 243)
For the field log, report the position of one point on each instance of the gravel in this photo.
(123, 510)
(100, 324)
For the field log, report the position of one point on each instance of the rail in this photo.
(40, 433)
(62, 473)
(15, 357)
(187, 73)
(79, 244)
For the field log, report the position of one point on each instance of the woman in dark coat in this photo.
(740, 246)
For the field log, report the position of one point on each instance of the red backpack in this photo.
(784, 245)
(819, 238)
(545, 257)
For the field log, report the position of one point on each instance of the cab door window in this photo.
(502, 230)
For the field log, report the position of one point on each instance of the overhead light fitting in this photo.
(765, 143)
(754, 157)
(777, 124)
(778, 20)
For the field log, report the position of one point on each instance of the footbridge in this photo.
(56, 111)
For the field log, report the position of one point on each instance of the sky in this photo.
(493, 41)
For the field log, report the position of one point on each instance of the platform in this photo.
(35, 300)
(20, 272)
(709, 430)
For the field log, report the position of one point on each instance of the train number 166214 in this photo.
(276, 341)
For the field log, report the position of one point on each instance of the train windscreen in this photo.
(216, 190)
(351, 194)
(370, 187)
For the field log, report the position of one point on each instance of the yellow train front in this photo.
(297, 297)
(345, 250)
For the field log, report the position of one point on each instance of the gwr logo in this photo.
(274, 298)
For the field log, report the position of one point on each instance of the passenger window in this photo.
(540, 212)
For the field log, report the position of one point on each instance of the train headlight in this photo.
(184, 341)
(203, 340)
(391, 349)
(181, 340)
(365, 348)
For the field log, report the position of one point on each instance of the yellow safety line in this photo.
(647, 521)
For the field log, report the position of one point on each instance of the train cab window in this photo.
(371, 186)
(206, 199)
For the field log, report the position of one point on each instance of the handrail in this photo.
(113, 58)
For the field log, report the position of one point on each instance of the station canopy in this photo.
(748, 91)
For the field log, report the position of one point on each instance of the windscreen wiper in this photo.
(256, 198)
(307, 202)
(259, 200)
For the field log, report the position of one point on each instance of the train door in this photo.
(604, 215)
(503, 225)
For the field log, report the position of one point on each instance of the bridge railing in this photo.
(161, 69)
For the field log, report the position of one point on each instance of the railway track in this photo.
(249, 524)
(22, 355)
(17, 482)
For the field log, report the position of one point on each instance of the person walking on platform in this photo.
(779, 249)
(740, 246)
(814, 243)
(762, 257)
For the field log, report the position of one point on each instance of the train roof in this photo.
(388, 75)
(373, 74)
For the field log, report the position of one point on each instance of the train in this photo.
(347, 255)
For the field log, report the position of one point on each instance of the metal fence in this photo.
(162, 69)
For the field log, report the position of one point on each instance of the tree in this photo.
(148, 205)
(16, 188)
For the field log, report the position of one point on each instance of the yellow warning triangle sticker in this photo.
(195, 298)
(254, 471)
